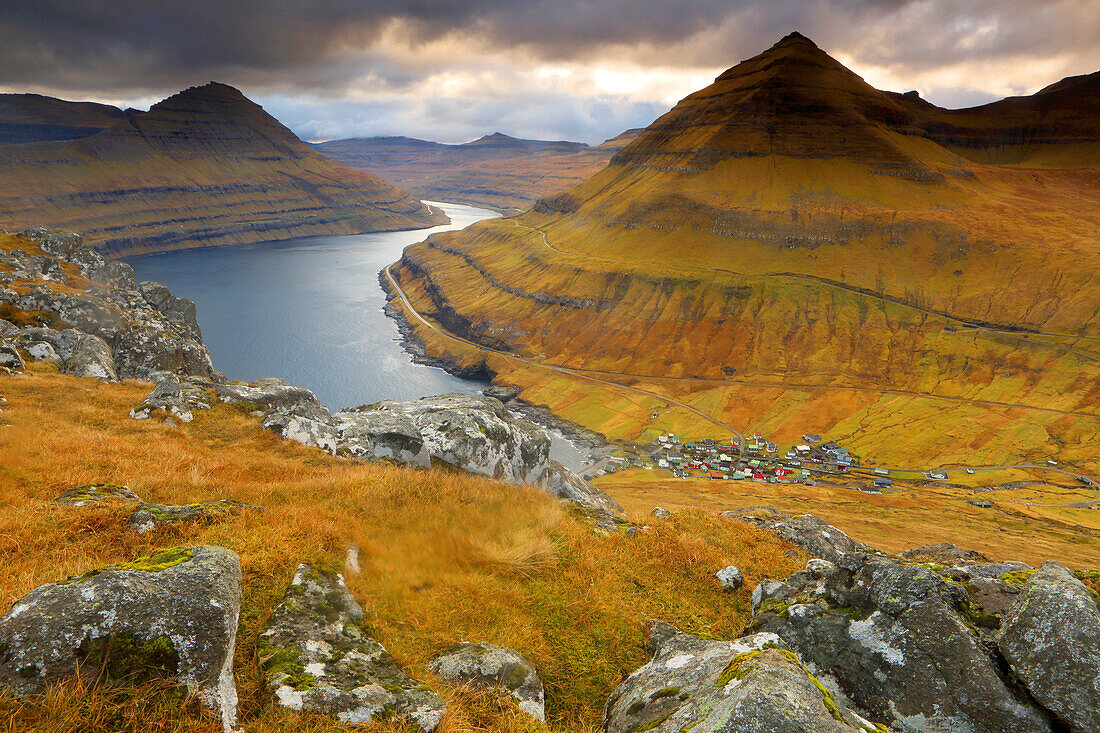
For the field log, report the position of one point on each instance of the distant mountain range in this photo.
(810, 248)
(496, 170)
(206, 166)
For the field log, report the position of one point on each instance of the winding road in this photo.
(587, 374)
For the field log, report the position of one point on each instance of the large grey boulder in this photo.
(894, 638)
(476, 434)
(80, 354)
(173, 613)
(487, 666)
(293, 413)
(369, 433)
(816, 537)
(317, 658)
(748, 685)
(1051, 640)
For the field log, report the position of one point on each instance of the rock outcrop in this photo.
(491, 667)
(172, 614)
(747, 685)
(955, 643)
(810, 534)
(477, 434)
(115, 330)
(317, 658)
(172, 396)
(1051, 640)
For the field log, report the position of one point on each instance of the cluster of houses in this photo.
(758, 460)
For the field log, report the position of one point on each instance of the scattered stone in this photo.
(148, 517)
(660, 513)
(171, 614)
(730, 578)
(1051, 640)
(487, 667)
(7, 328)
(980, 503)
(749, 685)
(93, 493)
(317, 658)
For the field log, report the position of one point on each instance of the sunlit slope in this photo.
(790, 225)
(204, 167)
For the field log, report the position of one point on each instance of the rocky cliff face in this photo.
(204, 167)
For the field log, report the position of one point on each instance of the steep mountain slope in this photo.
(791, 249)
(496, 170)
(204, 167)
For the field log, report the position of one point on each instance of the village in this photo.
(759, 460)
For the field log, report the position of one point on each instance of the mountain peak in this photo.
(794, 37)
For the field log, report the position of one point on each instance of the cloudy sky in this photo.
(452, 70)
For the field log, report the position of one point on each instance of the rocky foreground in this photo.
(938, 639)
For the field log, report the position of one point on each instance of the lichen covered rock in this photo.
(488, 667)
(896, 640)
(94, 493)
(172, 396)
(317, 658)
(148, 517)
(173, 613)
(748, 685)
(1051, 640)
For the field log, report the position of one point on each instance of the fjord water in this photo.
(310, 311)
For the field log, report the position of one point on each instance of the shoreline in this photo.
(585, 441)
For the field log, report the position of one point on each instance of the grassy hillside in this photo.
(497, 171)
(203, 167)
(792, 250)
(445, 557)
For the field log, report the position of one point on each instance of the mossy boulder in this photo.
(94, 493)
(317, 658)
(148, 517)
(746, 685)
(1051, 640)
(494, 667)
(173, 613)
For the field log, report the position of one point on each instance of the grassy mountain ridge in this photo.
(792, 230)
(204, 167)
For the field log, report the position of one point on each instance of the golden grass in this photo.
(445, 557)
(895, 522)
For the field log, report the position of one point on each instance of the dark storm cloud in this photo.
(144, 44)
(345, 67)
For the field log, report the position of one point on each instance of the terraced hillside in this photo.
(204, 167)
(497, 171)
(792, 250)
